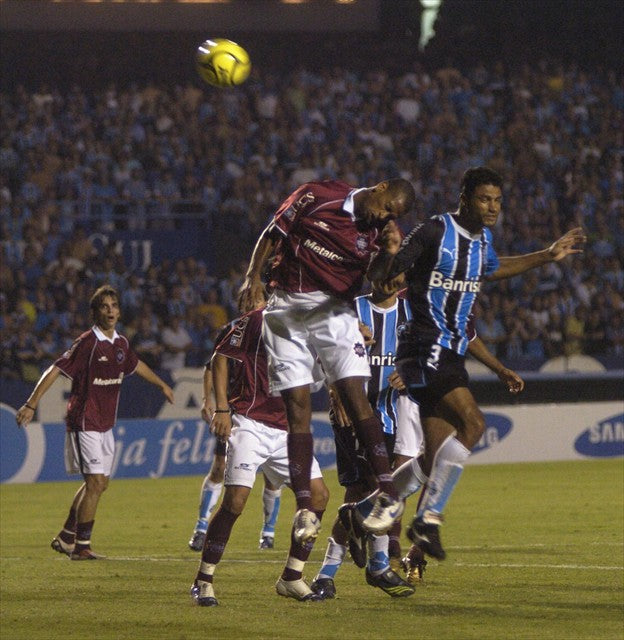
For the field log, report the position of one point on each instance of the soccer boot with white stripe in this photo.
(297, 589)
(391, 583)
(306, 526)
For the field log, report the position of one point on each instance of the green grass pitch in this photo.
(534, 551)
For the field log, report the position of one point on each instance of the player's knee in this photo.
(234, 501)
(320, 495)
(474, 428)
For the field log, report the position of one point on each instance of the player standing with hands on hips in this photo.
(445, 260)
(96, 364)
(322, 238)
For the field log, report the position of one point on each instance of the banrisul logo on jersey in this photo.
(603, 439)
(497, 427)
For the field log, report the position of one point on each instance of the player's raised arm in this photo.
(251, 293)
(569, 243)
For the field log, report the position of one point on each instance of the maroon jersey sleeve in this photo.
(76, 358)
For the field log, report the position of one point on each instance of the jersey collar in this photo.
(349, 204)
(99, 334)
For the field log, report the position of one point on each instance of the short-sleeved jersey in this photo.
(321, 248)
(249, 384)
(96, 365)
(445, 265)
(384, 324)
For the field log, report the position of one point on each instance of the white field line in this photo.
(480, 565)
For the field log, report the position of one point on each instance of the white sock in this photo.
(448, 465)
(408, 478)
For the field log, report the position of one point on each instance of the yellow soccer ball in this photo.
(222, 63)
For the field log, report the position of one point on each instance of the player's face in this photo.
(485, 204)
(108, 313)
(378, 206)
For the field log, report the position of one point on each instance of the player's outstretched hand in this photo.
(221, 424)
(168, 393)
(24, 415)
(512, 380)
(390, 240)
(567, 244)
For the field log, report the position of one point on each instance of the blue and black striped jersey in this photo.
(445, 265)
(383, 324)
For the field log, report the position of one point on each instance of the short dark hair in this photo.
(476, 176)
(404, 189)
(100, 293)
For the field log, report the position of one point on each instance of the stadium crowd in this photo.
(148, 156)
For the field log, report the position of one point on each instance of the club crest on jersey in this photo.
(360, 350)
(361, 244)
(120, 356)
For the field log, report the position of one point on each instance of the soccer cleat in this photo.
(266, 542)
(306, 526)
(62, 547)
(391, 583)
(297, 589)
(196, 543)
(85, 554)
(385, 511)
(203, 594)
(414, 565)
(427, 536)
(324, 587)
(356, 536)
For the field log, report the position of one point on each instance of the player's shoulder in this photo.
(329, 189)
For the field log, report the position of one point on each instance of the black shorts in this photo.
(351, 463)
(429, 372)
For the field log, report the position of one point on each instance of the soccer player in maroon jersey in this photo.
(254, 422)
(96, 364)
(322, 237)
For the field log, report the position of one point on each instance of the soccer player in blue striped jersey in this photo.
(446, 259)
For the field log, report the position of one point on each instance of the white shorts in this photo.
(409, 433)
(299, 327)
(253, 447)
(89, 452)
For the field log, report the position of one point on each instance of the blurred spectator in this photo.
(176, 342)
(574, 332)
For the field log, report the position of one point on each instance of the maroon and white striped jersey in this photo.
(321, 248)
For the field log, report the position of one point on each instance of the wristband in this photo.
(28, 406)
(222, 411)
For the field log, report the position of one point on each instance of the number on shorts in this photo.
(433, 359)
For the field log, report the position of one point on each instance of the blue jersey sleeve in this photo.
(492, 261)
